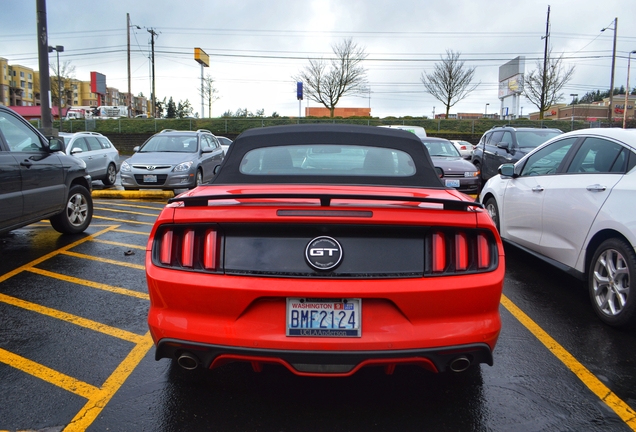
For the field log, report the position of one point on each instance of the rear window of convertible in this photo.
(327, 160)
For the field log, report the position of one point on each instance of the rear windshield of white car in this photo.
(327, 160)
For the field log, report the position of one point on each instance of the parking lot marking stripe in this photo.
(622, 409)
(105, 260)
(50, 255)
(120, 230)
(101, 286)
(125, 245)
(123, 220)
(72, 319)
(111, 203)
(126, 211)
(89, 412)
(49, 375)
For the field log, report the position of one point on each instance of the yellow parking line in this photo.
(128, 211)
(622, 409)
(50, 255)
(111, 203)
(91, 284)
(126, 245)
(123, 220)
(120, 230)
(96, 403)
(49, 375)
(72, 319)
(104, 260)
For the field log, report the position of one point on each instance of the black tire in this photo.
(77, 213)
(493, 211)
(111, 175)
(199, 178)
(609, 280)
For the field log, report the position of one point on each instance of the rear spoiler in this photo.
(325, 199)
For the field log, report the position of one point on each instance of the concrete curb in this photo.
(142, 194)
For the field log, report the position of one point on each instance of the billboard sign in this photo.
(511, 86)
(201, 57)
(299, 90)
(98, 83)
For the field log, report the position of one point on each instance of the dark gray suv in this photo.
(38, 181)
(507, 144)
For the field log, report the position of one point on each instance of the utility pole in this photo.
(545, 65)
(43, 61)
(610, 112)
(128, 26)
(153, 33)
(128, 50)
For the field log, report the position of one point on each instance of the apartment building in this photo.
(17, 84)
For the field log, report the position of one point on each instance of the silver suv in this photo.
(99, 154)
(38, 181)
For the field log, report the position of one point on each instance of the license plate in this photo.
(149, 178)
(452, 183)
(324, 317)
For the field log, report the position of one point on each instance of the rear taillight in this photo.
(188, 248)
(460, 251)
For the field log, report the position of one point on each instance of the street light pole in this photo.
(486, 110)
(610, 114)
(629, 60)
(58, 49)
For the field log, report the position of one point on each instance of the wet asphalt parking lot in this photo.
(75, 354)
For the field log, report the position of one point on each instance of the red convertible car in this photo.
(325, 249)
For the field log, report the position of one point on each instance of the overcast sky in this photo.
(257, 46)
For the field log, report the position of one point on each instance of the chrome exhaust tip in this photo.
(459, 364)
(188, 361)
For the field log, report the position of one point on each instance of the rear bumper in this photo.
(328, 363)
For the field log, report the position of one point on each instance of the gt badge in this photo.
(323, 253)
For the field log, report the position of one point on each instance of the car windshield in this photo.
(532, 139)
(327, 160)
(172, 143)
(441, 148)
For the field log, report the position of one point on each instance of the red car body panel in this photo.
(248, 311)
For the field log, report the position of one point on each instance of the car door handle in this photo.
(537, 189)
(596, 188)
(26, 163)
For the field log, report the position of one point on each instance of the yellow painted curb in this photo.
(140, 194)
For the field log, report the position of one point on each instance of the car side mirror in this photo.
(504, 145)
(135, 149)
(76, 150)
(207, 150)
(507, 170)
(55, 144)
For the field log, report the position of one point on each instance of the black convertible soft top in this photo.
(320, 134)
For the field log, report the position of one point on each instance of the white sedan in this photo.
(465, 148)
(571, 202)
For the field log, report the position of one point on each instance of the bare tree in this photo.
(210, 93)
(556, 77)
(59, 87)
(450, 81)
(327, 82)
